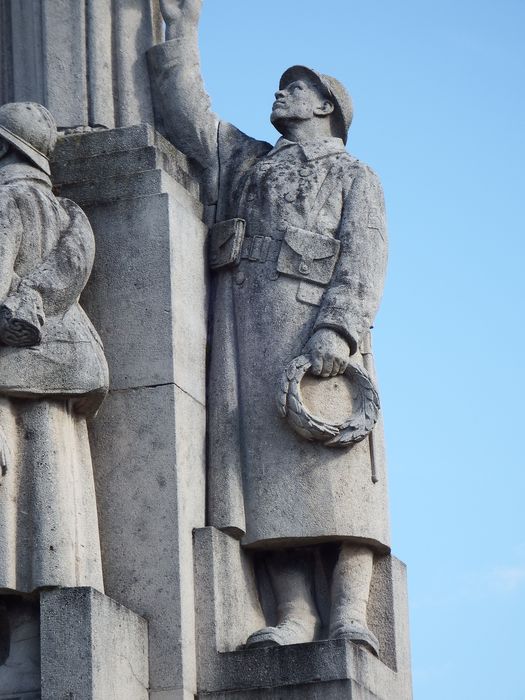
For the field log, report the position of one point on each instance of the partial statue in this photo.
(298, 256)
(53, 373)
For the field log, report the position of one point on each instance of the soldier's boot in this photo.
(350, 593)
(297, 616)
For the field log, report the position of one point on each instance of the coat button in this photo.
(290, 197)
(274, 275)
(304, 269)
(283, 227)
(304, 172)
(240, 277)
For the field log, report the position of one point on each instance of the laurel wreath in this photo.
(310, 427)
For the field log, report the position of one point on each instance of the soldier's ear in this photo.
(324, 109)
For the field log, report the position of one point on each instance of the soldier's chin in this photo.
(278, 119)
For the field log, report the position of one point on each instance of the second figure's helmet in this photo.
(31, 129)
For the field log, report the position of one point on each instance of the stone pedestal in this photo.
(148, 299)
(91, 647)
(73, 643)
(328, 670)
(82, 59)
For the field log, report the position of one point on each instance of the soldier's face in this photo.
(298, 101)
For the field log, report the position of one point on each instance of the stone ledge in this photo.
(82, 160)
(295, 665)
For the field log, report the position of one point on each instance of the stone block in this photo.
(148, 449)
(228, 611)
(227, 600)
(148, 440)
(92, 648)
(149, 260)
(100, 155)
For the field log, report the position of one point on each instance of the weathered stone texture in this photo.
(83, 59)
(148, 440)
(227, 605)
(92, 648)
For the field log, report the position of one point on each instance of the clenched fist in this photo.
(329, 353)
(180, 14)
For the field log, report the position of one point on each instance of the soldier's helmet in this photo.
(335, 90)
(31, 129)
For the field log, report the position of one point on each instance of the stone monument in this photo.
(298, 254)
(238, 543)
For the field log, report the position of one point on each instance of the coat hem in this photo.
(294, 541)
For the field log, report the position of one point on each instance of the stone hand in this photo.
(180, 12)
(21, 319)
(329, 352)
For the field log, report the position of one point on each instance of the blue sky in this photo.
(440, 110)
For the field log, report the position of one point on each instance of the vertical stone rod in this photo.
(135, 30)
(6, 52)
(64, 58)
(27, 57)
(101, 107)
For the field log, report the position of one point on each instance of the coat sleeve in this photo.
(10, 238)
(182, 102)
(352, 298)
(61, 276)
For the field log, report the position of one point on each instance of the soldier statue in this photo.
(53, 373)
(298, 254)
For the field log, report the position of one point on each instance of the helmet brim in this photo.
(39, 159)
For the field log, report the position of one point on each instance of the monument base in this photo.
(327, 670)
(73, 643)
(228, 611)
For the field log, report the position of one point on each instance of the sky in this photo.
(439, 97)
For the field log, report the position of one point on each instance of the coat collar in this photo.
(20, 172)
(314, 149)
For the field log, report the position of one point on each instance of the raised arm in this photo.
(180, 97)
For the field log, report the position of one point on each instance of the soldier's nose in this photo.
(279, 94)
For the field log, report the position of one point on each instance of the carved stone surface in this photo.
(92, 647)
(298, 261)
(298, 253)
(148, 438)
(83, 59)
(53, 370)
(227, 602)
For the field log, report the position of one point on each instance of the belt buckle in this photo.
(259, 248)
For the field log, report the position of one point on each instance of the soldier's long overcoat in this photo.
(48, 515)
(268, 485)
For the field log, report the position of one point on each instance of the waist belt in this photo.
(260, 248)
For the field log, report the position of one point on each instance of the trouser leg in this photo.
(291, 579)
(350, 594)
